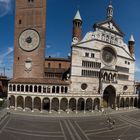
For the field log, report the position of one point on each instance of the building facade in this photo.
(100, 73)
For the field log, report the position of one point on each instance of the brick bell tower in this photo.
(77, 26)
(29, 42)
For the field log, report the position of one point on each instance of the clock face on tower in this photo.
(29, 40)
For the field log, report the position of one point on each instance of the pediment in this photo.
(110, 26)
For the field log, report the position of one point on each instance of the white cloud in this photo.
(4, 55)
(6, 61)
(48, 46)
(5, 7)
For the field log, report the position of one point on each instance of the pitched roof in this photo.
(99, 25)
(39, 81)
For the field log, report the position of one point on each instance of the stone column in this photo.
(41, 106)
(92, 105)
(15, 102)
(42, 89)
(23, 103)
(133, 102)
(59, 106)
(33, 104)
(50, 110)
(68, 107)
(33, 88)
(76, 105)
(84, 106)
(101, 104)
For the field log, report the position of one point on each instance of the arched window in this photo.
(57, 89)
(14, 87)
(53, 89)
(48, 89)
(35, 88)
(66, 89)
(10, 87)
(39, 89)
(22, 88)
(26, 88)
(18, 87)
(44, 89)
(31, 88)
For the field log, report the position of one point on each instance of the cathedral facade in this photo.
(99, 74)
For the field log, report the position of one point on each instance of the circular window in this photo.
(125, 88)
(84, 86)
(108, 56)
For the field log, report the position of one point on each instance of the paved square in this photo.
(21, 127)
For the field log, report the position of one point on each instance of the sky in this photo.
(60, 14)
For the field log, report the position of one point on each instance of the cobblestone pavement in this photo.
(104, 126)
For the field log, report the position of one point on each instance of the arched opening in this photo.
(39, 89)
(26, 88)
(89, 104)
(105, 76)
(64, 104)
(53, 89)
(135, 102)
(48, 89)
(28, 102)
(57, 89)
(127, 102)
(12, 101)
(18, 88)
(110, 77)
(10, 87)
(37, 103)
(81, 104)
(122, 104)
(109, 97)
(22, 88)
(44, 89)
(55, 104)
(131, 102)
(96, 104)
(20, 101)
(66, 89)
(35, 88)
(46, 104)
(31, 88)
(72, 104)
(14, 87)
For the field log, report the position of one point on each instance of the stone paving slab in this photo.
(28, 127)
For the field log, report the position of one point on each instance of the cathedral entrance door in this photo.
(109, 96)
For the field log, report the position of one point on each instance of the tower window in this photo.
(31, 1)
(59, 65)
(20, 21)
(49, 65)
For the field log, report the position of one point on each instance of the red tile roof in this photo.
(39, 81)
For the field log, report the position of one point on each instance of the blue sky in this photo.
(60, 14)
